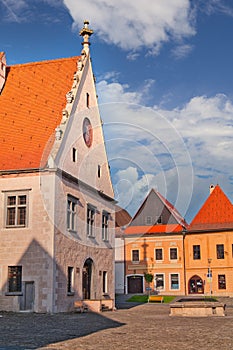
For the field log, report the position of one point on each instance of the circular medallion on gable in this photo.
(87, 132)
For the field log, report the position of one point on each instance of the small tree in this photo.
(149, 278)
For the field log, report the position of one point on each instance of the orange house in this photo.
(209, 247)
(154, 244)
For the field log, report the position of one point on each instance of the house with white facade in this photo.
(56, 197)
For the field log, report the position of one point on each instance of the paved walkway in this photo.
(145, 326)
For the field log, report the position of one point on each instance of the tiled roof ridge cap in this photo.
(44, 61)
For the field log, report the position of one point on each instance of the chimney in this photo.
(212, 187)
(2, 70)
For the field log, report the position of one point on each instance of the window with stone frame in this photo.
(135, 255)
(16, 209)
(221, 281)
(105, 219)
(70, 280)
(159, 281)
(72, 213)
(105, 282)
(196, 252)
(158, 253)
(91, 210)
(220, 251)
(174, 281)
(173, 254)
(14, 279)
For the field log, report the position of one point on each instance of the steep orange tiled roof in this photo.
(31, 105)
(216, 213)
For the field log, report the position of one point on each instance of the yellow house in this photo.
(209, 247)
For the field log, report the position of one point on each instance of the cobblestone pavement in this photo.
(146, 326)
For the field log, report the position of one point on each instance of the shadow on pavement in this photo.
(31, 331)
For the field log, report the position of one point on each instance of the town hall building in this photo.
(56, 197)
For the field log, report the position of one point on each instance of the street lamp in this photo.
(209, 275)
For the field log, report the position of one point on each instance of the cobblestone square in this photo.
(145, 326)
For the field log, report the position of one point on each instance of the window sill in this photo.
(13, 293)
(72, 231)
(15, 226)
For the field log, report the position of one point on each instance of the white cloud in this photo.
(165, 148)
(213, 6)
(182, 51)
(132, 24)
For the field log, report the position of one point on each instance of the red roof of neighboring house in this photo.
(31, 104)
(169, 228)
(122, 217)
(216, 213)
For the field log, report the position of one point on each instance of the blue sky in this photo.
(164, 80)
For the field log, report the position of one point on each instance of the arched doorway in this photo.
(87, 274)
(196, 285)
(135, 284)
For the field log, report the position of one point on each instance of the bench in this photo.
(80, 306)
(155, 298)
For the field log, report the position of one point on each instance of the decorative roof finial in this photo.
(86, 32)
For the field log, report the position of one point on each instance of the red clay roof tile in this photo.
(216, 213)
(31, 105)
(169, 228)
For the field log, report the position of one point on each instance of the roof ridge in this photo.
(43, 61)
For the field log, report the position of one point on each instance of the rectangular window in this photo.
(105, 282)
(174, 280)
(220, 251)
(158, 254)
(90, 220)
(159, 281)
(196, 252)
(14, 279)
(70, 279)
(71, 213)
(148, 220)
(87, 100)
(135, 255)
(74, 154)
(221, 282)
(105, 217)
(16, 210)
(173, 254)
(99, 171)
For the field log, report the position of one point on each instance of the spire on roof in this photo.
(86, 32)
